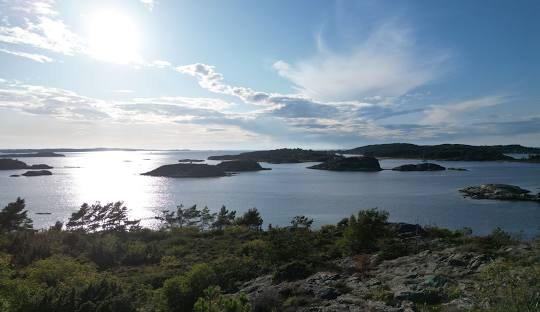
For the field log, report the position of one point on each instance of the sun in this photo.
(113, 37)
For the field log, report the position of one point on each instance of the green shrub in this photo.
(214, 301)
(181, 292)
(364, 231)
(507, 287)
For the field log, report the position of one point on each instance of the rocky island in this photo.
(419, 167)
(240, 165)
(14, 164)
(26, 155)
(187, 170)
(364, 163)
(500, 192)
(280, 156)
(37, 173)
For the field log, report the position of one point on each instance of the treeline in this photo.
(443, 151)
(101, 260)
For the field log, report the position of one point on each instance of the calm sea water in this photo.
(280, 194)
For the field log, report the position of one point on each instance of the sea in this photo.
(288, 190)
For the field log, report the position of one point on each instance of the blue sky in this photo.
(265, 74)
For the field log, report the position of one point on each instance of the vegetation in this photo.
(442, 151)
(196, 260)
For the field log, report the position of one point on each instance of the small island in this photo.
(188, 160)
(187, 170)
(280, 156)
(14, 164)
(457, 169)
(37, 173)
(500, 192)
(240, 165)
(364, 163)
(37, 154)
(419, 167)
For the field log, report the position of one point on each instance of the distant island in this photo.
(188, 160)
(443, 151)
(364, 163)
(37, 173)
(13, 164)
(37, 154)
(419, 167)
(280, 156)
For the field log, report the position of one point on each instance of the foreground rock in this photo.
(365, 284)
(240, 165)
(37, 173)
(14, 164)
(280, 156)
(441, 276)
(349, 164)
(187, 170)
(419, 167)
(500, 192)
(38, 154)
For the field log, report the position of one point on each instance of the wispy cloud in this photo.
(387, 63)
(31, 56)
(149, 4)
(60, 103)
(453, 112)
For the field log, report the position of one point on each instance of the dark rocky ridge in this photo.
(500, 192)
(419, 167)
(187, 170)
(37, 173)
(240, 165)
(349, 164)
(442, 151)
(280, 156)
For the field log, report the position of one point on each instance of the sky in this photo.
(266, 74)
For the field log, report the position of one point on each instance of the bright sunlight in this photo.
(113, 37)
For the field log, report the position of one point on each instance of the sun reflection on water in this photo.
(115, 176)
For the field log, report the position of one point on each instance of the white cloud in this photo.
(386, 64)
(45, 33)
(450, 113)
(31, 56)
(160, 64)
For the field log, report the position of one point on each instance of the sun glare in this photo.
(113, 37)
